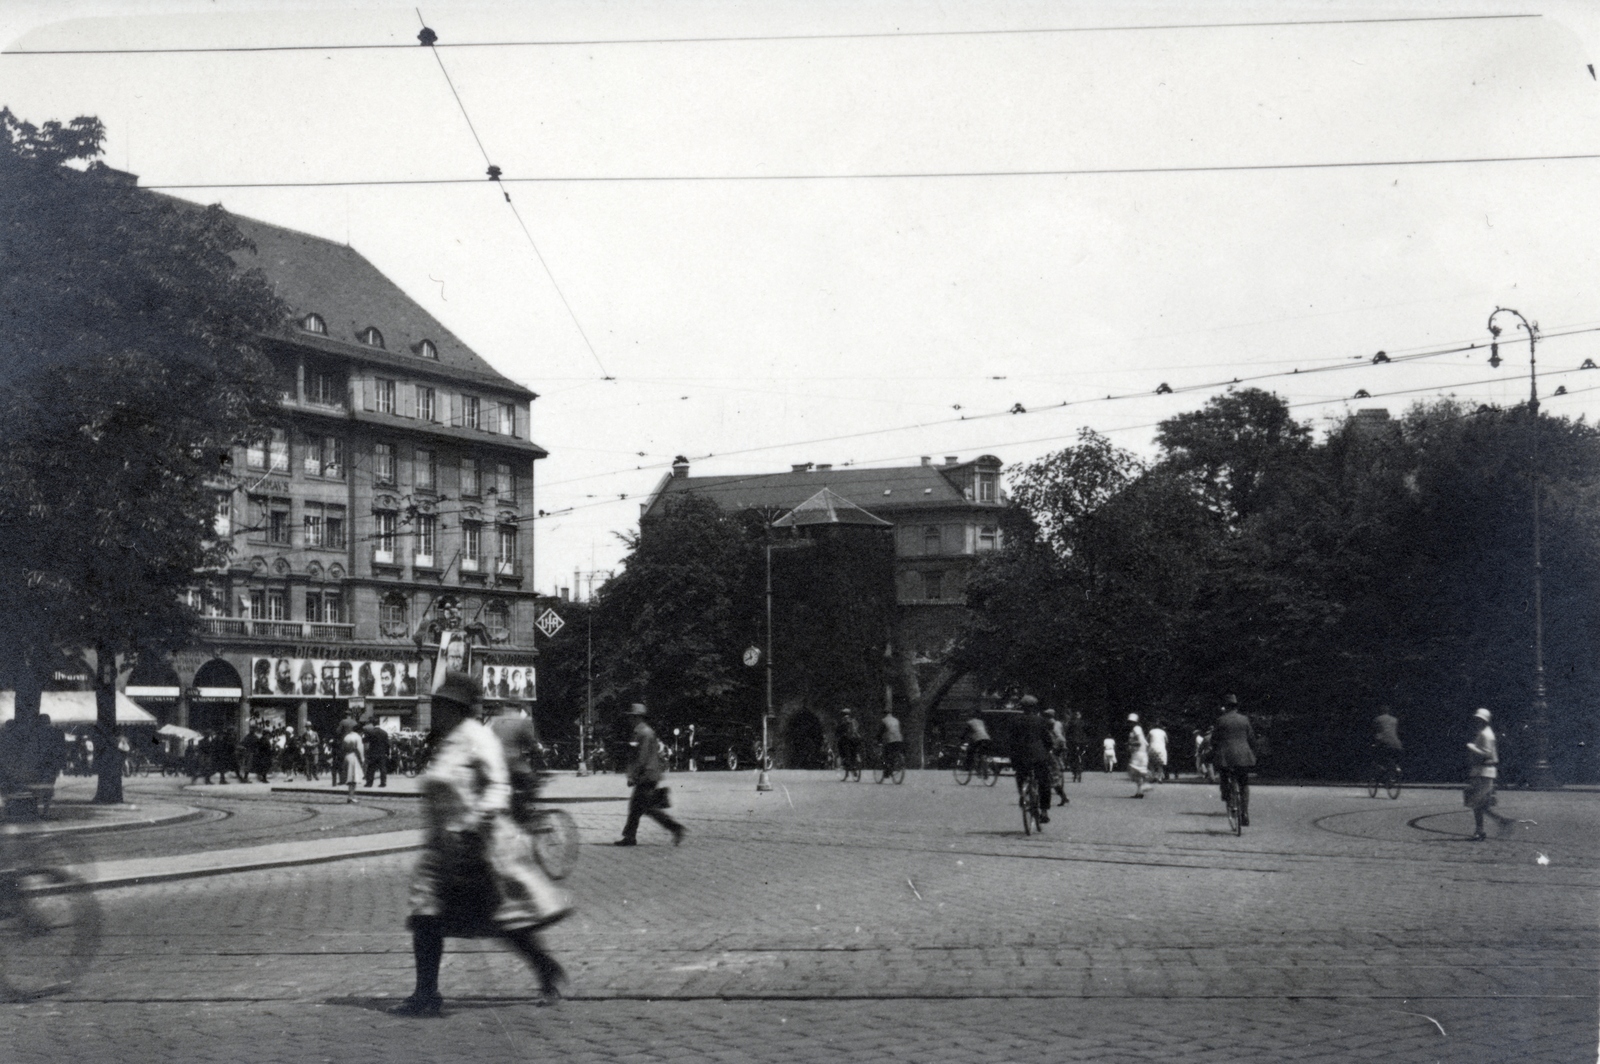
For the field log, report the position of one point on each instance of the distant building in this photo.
(401, 471)
(945, 517)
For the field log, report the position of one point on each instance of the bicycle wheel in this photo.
(844, 773)
(879, 773)
(899, 772)
(1391, 783)
(1235, 820)
(991, 773)
(1028, 800)
(49, 926)
(1372, 786)
(963, 770)
(555, 842)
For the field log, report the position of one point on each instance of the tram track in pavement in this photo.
(228, 822)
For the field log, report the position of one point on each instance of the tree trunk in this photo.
(107, 757)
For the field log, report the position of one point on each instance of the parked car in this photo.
(726, 746)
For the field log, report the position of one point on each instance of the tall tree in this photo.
(129, 366)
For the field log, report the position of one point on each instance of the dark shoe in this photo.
(677, 836)
(626, 842)
(1244, 821)
(415, 1006)
(1479, 837)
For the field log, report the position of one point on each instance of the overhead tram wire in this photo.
(1345, 364)
(780, 37)
(429, 40)
(906, 175)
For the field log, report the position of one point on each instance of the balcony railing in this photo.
(507, 569)
(321, 631)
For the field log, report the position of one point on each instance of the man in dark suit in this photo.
(1233, 753)
(377, 744)
(644, 774)
(1030, 753)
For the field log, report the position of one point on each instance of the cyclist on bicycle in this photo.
(893, 742)
(1030, 753)
(976, 738)
(1058, 749)
(1233, 754)
(1386, 746)
(849, 738)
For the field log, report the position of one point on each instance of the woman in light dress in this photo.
(1138, 756)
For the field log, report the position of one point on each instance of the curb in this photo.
(144, 871)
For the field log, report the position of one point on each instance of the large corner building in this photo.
(400, 473)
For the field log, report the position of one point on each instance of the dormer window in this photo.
(428, 350)
(313, 323)
(371, 337)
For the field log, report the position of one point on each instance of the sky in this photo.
(758, 234)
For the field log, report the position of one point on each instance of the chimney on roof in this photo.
(800, 467)
(951, 459)
(927, 460)
(680, 466)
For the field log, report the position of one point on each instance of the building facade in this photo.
(397, 483)
(946, 517)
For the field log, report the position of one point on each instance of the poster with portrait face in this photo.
(455, 654)
(332, 678)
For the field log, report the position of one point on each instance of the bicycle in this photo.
(850, 766)
(968, 765)
(552, 833)
(1028, 799)
(1385, 775)
(893, 766)
(49, 919)
(1231, 796)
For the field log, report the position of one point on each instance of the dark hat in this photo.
(637, 710)
(459, 688)
(1232, 700)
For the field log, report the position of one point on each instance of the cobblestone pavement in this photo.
(914, 923)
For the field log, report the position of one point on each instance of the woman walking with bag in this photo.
(476, 876)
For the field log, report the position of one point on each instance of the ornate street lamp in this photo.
(1542, 778)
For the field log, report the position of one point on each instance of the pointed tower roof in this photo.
(827, 507)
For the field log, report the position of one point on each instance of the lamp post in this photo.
(763, 781)
(1542, 777)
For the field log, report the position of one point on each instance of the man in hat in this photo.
(476, 876)
(644, 776)
(1479, 795)
(1030, 753)
(849, 739)
(1233, 753)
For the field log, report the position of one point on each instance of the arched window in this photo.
(313, 323)
(428, 350)
(371, 336)
(392, 616)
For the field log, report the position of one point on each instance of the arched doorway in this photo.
(804, 745)
(216, 713)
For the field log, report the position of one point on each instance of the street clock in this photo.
(752, 656)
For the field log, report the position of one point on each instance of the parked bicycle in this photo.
(49, 921)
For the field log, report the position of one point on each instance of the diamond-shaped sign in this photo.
(550, 622)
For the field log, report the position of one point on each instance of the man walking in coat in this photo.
(644, 775)
(1233, 754)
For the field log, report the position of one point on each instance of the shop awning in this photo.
(75, 707)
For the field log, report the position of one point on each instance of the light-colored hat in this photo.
(637, 710)
(1482, 714)
(1134, 717)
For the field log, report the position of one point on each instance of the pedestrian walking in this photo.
(1481, 777)
(376, 741)
(1108, 754)
(644, 776)
(1158, 752)
(476, 876)
(353, 755)
(1138, 757)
